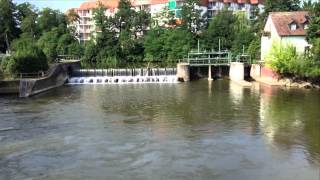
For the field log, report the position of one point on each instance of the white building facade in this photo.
(286, 28)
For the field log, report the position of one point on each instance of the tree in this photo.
(154, 45)
(313, 32)
(243, 34)
(49, 19)
(27, 17)
(167, 45)
(178, 43)
(26, 57)
(48, 43)
(221, 27)
(8, 25)
(191, 16)
(72, 16)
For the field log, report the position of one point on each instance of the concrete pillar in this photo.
(210, 73)
(255, 71)
(219, 73)
(236, 73)
(183, 71)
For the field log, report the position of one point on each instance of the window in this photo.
(293, 26)
(212, 4)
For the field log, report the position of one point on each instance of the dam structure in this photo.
(214, 61)
(123, 76)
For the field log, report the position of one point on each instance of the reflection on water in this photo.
(197, 130)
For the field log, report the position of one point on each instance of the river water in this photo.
(195, 130)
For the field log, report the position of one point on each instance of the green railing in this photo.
(220, 58)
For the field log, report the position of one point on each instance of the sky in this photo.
(61, 5)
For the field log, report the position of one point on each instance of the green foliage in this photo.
(27, 15)
(8, 25)
(49, 19)
(167, 44)
(191, 16)
(90, 52)
(285, 60)
(254, 49)
(27, 57)
(222, 27)
(48, 43)
(281, 57)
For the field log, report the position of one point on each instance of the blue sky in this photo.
(61, 5)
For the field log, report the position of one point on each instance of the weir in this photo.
(124, 76)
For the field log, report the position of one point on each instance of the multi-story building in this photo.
(87, 29)
(246, 6)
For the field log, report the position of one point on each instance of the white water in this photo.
(124, 76)
(123, 79)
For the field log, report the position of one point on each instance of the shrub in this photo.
(26, 57)
(281, 57)
(285, 60)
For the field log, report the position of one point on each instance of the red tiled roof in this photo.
(94, 4)
(240, 1)
(282, 20)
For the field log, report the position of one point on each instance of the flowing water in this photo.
(124, 76)
(195, 130)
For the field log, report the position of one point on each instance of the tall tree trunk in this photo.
(7, 42)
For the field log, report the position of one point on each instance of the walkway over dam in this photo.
(215, 58)
(237, 64)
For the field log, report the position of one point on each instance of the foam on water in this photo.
(123, 79)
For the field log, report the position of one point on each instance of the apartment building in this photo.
(246, 6)
(87, 29)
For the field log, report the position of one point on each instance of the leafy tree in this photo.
(243, 34)
(8, 24)
(222, 27)
(49, 19)
(191, 17)
(72, 16)
(178, 43)
(27, 57)
(154, 45)
(254, 49)
(89, 59)
(27, 16)
(307, 5)
(48, 43)
(141, 22)
(167, 44)
(313, 32)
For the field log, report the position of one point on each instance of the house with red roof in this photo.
(286, 28)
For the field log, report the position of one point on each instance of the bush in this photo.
(281, 57)
(286, 61)
(26, 57)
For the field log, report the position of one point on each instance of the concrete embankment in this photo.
(267, 76)
(56, 77)
(9, 87)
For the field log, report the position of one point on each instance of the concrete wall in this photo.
(58, 75)
(183, 71)
(269, 73)
(9, 87)
(236, 72)
(255, 71)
